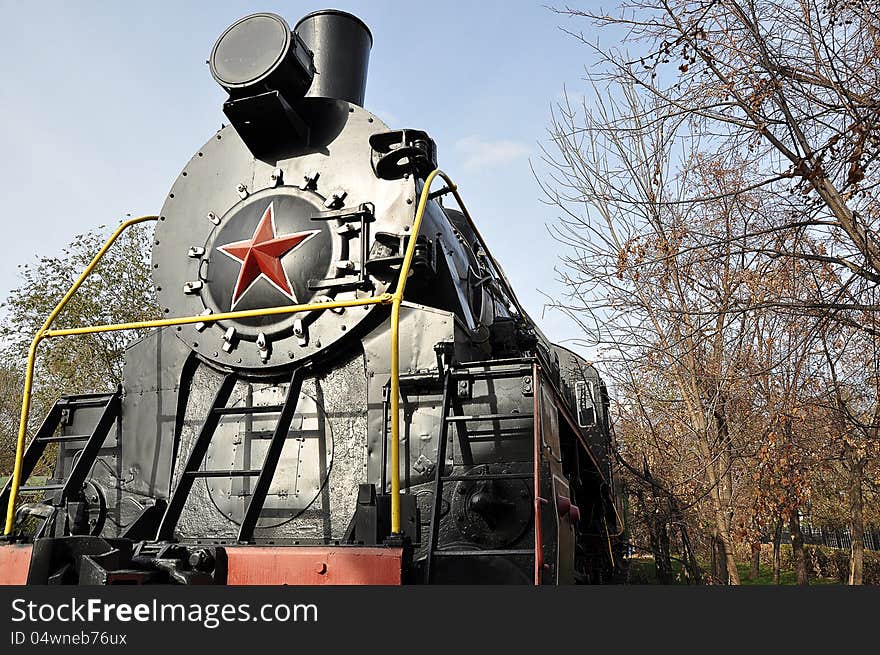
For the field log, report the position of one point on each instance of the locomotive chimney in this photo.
(340, 43)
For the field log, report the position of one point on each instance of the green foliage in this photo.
(119, 290)
(825, 565)
(10, 407)
(641, 570)
(834, 563)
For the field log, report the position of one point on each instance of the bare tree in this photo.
(786, 89)
(718, 190)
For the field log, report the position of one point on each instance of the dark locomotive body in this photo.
(246, 450)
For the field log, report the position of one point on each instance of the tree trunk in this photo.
(663, 542)
(777, 542)
(856, 521)
(691, 565)
(797, 548)
(724, 494)
(713, 559)
(755, 568)
(727, 563)
(661, 560)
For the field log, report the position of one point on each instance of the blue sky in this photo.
(102, 103)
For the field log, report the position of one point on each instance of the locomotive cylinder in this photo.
(340, 44)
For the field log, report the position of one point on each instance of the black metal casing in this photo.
(340, 45)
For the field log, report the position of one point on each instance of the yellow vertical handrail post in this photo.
(396, 300)
(29, 369)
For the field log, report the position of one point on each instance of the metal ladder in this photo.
(451, 414)
(192, 468)
(61, 413)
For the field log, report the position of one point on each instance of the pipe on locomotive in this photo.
(340, 45)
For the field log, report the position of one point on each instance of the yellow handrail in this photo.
(394, 300)
(397, 298)
(382, 299)
(32, 353)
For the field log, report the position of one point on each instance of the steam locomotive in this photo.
(256, 449)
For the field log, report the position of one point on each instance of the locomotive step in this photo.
(299, 434)
(224, 473)
(507, 361)
(82, 402)
(258, 409)
(41, 487)
(64, 437)
(523, 436)
(494, 374)
(492, 476)
(486, 417)
(519, 552)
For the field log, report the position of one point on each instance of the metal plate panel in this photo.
(341, 392)
(421, 328)
(241, 441)
(309, 565)
(15, 560)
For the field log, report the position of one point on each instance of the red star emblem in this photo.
(260, 256)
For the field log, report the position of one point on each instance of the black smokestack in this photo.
(341, 46)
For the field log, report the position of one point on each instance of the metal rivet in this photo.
(201, 325)
(335, 310)
(336, 199)
(310, 180)
(263, 347)
(230, 339)
(300, 332)
(193, 286)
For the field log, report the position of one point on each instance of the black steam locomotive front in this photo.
(245, 449)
